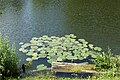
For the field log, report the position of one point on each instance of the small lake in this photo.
(97, 21)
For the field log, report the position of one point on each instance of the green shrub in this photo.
(8, 59)
(107, 62)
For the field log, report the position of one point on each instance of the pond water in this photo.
(97, 21)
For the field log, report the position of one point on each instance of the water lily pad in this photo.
(42, 55)
(29, 59)
(41, 67)
(34, 47)
(29, 54)
(34, 54)
(58, 48)
(71, 57)
(21, 43)
(59, 59)
(51, 60)
(81, 40)
(35, 58)
(97, 48)
(24, 50)
(91, 46)
(21, 49)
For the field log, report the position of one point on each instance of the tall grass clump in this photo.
(107, 62)
(8, 59)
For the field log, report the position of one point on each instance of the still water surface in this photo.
(97, 21)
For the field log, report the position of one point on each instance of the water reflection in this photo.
(96, 20)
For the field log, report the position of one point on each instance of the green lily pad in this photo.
(35, 58)
(42, 55)
(51, 60)
(97, 49)
(71, 57)
(59, 59)
(29, 59)
(81, 40)
(29, 54)
(41, 67)
(21, 43)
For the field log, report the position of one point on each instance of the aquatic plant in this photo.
(8, 59)
(58, 48)
(106, 61)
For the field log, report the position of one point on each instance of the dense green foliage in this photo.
(8, 59)
(58, 48)
(48, 77)
(107, 62)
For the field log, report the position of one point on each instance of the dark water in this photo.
(97, 21)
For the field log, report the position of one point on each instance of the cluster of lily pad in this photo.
(58, 48)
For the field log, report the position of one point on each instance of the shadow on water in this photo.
(95, 20)
(73, 75)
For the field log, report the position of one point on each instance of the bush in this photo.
(107, 62)
(8, 59)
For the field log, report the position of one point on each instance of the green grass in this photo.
(46, 77)
(56, 78)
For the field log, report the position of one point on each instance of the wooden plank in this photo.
(72, 67)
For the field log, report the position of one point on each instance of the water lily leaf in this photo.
(43, 52)
(21, 43)
(34, 38)
(76, 42)
(85, 42)
(59, 54)
(80, 57)
(97, 49)
(71, 57)
(45, 36)
(85, 49)
(34, 47)
(72, 36)
(85, 55)
(25, 45)
(41, 67)
(39, 44)
(29, 59)
(35, 58)
(91, 46)
(84, 45)
(29, 54)
(58, 48)
(53, 37)
(34, 54)
(24, 50)
(59, 59)
(21, 49)
(81, 40)
(31, 50)
(76, 52)
(67, 36)
(39, 49)
(42, 55)
(51, 60)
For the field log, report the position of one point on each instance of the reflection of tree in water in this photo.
(45, 3)
(1, 6)
(41, 3)
(15, 4)
(94, 20)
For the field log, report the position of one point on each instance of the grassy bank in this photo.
(58, 78)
